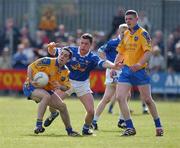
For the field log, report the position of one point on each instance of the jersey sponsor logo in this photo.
(78, 67)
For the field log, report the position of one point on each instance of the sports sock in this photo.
(39, 123)
(85, 128)
(96, 118)
(69, 130)
(121, 121)
(157, 123)
(110, 108)
(129, 123)
(121, 117)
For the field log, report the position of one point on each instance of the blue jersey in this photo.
(81, 66)
(110, 49)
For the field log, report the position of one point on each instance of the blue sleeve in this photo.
(100, 64)
(97, 62)
(102, 48)
(108, 45)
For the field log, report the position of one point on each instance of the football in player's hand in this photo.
(41, 78)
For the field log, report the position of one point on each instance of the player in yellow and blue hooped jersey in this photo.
(58, 79)
(134, 51)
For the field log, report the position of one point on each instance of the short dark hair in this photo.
(68, 50)
(131, 12)
(87, 36)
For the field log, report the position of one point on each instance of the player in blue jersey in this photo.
(80, 66)
(108, 51)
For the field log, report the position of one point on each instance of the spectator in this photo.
(174, 60)
(118, 19)
(158, 40)
(41, 39)
(28, 51)
(5, 59)
(144, 21)
(156, 63)
(26, 35)
(79, 33)
(71, 41)
(173, 38)
(48, 22)
(41, 52)
(61, 34)
(10, 36)
(20, 60)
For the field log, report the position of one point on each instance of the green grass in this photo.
(18, 116)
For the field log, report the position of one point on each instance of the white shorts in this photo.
(79, 87)
(109, 79)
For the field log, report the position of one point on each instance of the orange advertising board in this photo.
(14, 79)
(97, 79)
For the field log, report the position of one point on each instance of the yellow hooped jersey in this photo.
(51, 67)
(133, 46)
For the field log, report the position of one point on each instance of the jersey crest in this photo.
(63, 78)
(136, 38)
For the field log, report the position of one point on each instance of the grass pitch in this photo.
(18, 116)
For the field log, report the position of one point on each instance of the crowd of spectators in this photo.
(18, 48)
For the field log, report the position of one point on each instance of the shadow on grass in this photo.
(111, 131)
(132, 114)
(49, 135)
(139, 114)
(45, 135)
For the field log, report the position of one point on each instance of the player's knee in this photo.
(129, 96)
(120, 97)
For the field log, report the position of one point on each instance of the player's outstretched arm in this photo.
(109, 64)
(52, 48)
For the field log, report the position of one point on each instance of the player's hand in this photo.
(34, 83)
(118, 65)
(51, 47)
(135, 67)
